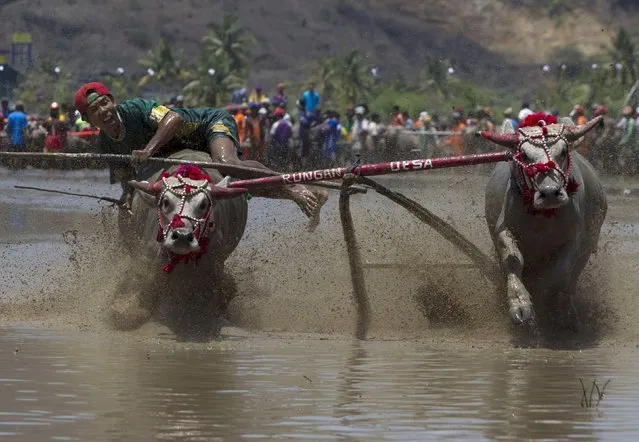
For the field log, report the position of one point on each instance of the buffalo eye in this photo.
(165, 204)
(203, 206)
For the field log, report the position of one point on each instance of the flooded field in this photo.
(440, 364)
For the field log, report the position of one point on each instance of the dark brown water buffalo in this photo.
(544, 211)
(398, 143)
(182, 229)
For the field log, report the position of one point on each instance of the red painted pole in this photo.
(84, 133)
(373, 169)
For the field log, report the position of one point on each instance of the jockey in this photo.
(143, 128)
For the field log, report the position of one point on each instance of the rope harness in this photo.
(525, 173)
(201, 226)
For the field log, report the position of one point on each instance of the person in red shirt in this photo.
(397, 117)
(57, 129)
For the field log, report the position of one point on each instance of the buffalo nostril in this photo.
(175, 235)
(558, 192)
(189, 237)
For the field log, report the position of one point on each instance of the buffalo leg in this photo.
(572, 288)
(562, 279)
(519, 302)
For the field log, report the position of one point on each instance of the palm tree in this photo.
(162, 64)
(345, 79)
(229, 39)
(624, 52)
(121, 86)
(437, 77)
(323, 74)
(215, 80)
(354, 77)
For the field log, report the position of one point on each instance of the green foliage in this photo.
(121, 86)
(608, 84)
(224, 61)
(388, 96)
(623, 51)
(347, 79)
(166, 65)
(41, 86)
(343, 79)
(435, 78)
(229, 40)
(212, 89)
(470, 95)
(222, 64)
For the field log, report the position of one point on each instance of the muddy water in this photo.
(441, 363)
(79, 386)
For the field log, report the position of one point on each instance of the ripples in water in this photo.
(92, 387)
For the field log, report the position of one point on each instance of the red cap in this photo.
(279, 112)
(81, 95)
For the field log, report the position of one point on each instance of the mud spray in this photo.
(291, 281)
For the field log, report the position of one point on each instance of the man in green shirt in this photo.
(144, 128)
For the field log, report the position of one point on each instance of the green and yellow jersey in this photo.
(141, 119)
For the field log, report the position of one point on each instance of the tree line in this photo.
(223, 64)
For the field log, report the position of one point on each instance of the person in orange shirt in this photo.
(240, 120)
(578, 115)
(456, 140)
(257, 129)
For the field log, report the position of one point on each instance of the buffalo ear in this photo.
(567, 121)
(225, 182)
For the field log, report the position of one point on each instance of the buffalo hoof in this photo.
(127, 315)
(521, 312)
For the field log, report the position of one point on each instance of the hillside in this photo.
(499, 43)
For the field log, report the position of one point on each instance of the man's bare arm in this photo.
(122, 175)
(167, 128)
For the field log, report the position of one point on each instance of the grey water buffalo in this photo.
(184, 224)
(544, 211)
